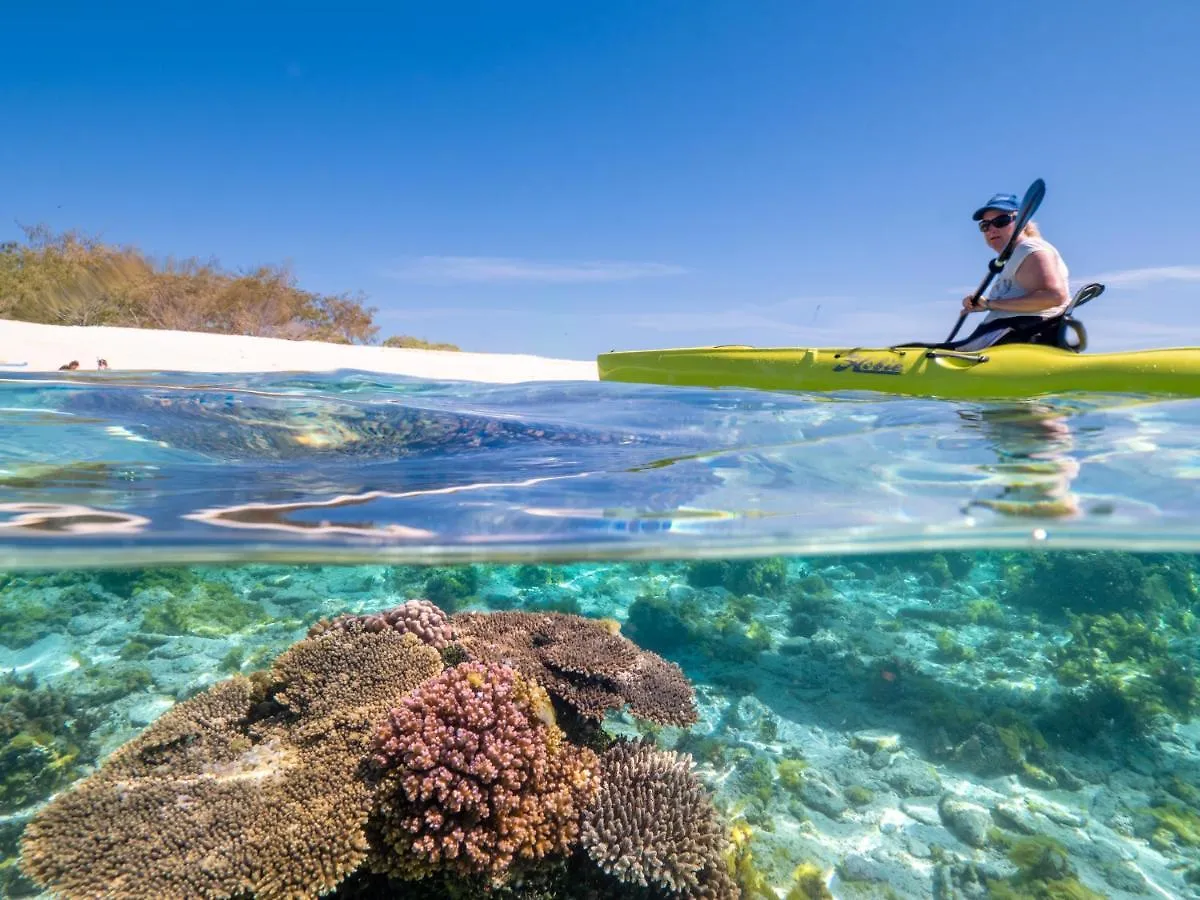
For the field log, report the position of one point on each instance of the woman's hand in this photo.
(970, 304)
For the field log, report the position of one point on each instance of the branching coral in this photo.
(419, 617)
(257, 786)
(581, 661)
(653, 825)
(479, 777)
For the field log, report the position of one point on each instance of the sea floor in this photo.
(919, 725)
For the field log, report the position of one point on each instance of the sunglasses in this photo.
(1000, 221)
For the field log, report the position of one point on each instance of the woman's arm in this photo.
(1043, 284)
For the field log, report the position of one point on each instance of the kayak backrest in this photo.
(1085, 294)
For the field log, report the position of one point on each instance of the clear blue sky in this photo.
(565, 178)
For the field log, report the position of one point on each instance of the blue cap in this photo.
(1005, 202)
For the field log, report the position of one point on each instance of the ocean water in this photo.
(872, 647)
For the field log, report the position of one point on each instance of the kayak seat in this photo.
(1063, 331)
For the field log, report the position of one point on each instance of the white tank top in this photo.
(1004, 285)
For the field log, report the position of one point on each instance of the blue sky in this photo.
(567, 178)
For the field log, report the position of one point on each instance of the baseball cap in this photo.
(1004, 202)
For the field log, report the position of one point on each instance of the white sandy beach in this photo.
(29, 347)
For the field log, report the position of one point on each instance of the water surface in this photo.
(361, 467)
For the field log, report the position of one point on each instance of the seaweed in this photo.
(528, 576)
(212, 610)
(449, 588)
(26, 621)
(1126, 679)
(655, 623)
(45, 741)
(1100, 582)
(127, 582)
(808, 883)
(761, 577)
(1044, 872)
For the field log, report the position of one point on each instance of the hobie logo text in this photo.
(868, 366)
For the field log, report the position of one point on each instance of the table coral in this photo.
(581, 661)
(258, 786)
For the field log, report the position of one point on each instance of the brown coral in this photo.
(257, 786)
(582, 662)
(653, 824)
(419, 617)
(481, 777)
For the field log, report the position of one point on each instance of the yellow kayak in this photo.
(1007, 371)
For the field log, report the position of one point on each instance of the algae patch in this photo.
(211, 610)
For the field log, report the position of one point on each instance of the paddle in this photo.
(1030, 203)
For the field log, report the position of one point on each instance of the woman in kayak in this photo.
(1032, 286)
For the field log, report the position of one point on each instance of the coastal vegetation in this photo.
(70, 278)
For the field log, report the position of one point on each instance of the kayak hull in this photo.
(1009, 371)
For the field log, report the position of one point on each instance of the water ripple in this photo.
(353, 466)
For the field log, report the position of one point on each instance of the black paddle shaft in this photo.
(1030, 203)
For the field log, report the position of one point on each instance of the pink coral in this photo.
(419, 617)
(480, 776)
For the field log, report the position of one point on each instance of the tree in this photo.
(405, 342)
(72, 279)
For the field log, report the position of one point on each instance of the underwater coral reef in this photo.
(894, 725)
(362, 745)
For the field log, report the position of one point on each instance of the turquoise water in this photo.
(362, 468)
(887, 647)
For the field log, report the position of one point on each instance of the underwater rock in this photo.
(795, 645)
(1125, 877)
(967, 821)
(984, 753)
(882, 866)
(874, 739)
(926, 815)
(1103, 849)
(818, 793)
(968, 880)
(916, 847)
(299, 595)
(680, 593)
(1014, 815)
(87, 623)
(912, 777)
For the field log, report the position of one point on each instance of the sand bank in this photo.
(28, 347)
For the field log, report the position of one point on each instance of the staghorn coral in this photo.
(653, 824)
(479, 777)
(419, 617)
(582, 662)
(259, 786)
